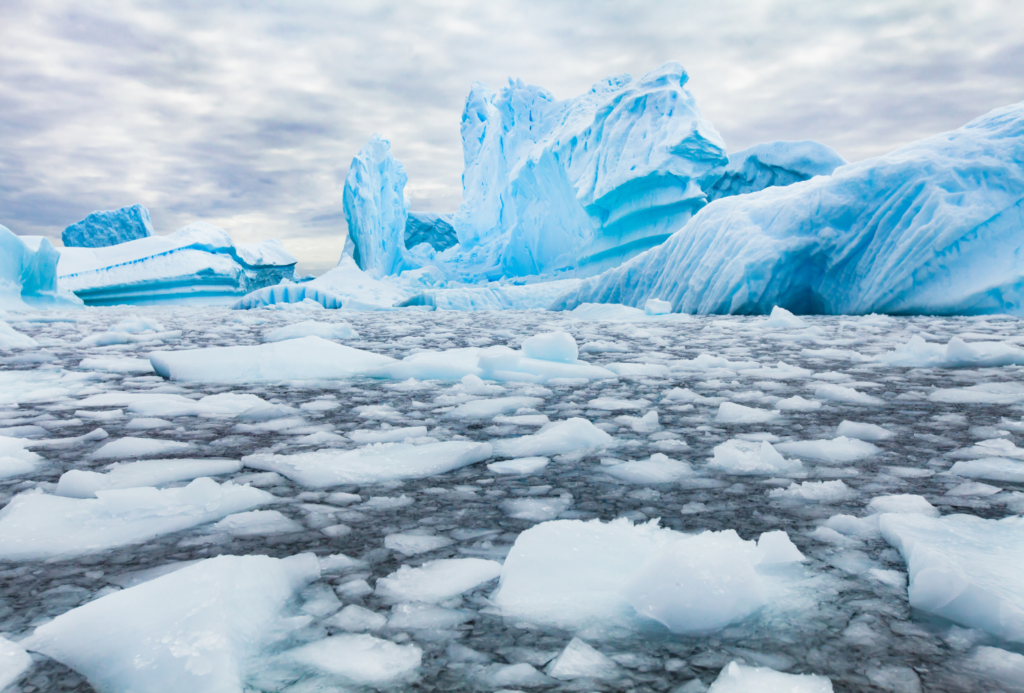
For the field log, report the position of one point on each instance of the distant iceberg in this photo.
(102, 229)
(197, 263)
(934, 228)
(28, 273)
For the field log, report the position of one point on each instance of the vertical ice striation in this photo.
(774, 163)
(28, 272)
(584, 183)
(933, 227)
(375, 210)
(101, 229)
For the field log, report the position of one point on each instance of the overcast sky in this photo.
(246, 114)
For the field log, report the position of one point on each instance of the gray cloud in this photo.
(247, 114)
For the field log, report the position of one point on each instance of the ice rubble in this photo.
(573, 574)
(917, 353)
(37, 525)
(197, 629)
(101, 229)
(963, 568)
(930, 228)
(774, 164)
(28, 274)
(197, 263)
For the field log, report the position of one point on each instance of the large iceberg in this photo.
(933, 227)
(101, 229)
(774, 163)
(198, 263)
(28, 272)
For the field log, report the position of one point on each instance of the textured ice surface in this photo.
(101, 229)
(198, 263)
(736, 678)
(774, 163)
(28, 274)
(433, 229)
(930, 228)
(197, 629)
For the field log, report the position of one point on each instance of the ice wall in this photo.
(28, 272)
(933, 227)
(375, 210)
(101, 229)
(198, 262)
(433, 229)
(774, 163)
(584, 183)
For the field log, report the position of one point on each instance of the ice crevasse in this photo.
(933, 227)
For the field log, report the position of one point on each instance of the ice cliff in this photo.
(198, 262)
(933, 227)
(101, 229)
(28, 272)
(774, 164)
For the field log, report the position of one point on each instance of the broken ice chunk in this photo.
(748, 457)
(436, 581)
(736, 678)
(360, 660)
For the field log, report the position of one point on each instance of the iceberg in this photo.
(774, 163)
(931, 228)
(102, 229)
(196, 263)
(28, 273)
(435, 230)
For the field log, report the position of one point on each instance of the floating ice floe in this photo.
(359, 660)
(200, 629)
(991, 468)
(917, 353)
(371, 464)
(35, 525)
(574, 574)
(737, 678)
(81, 483)
(839, 450)
(14, 661)
(311, 328)
(197, 263)
(436, 581)
(138, 447)
(15, 460)
(738, 414)
(572, 436)
(863, 431)
(738, 456)
(826, 245)
(963, 568)
(10, 338)
(658, 469)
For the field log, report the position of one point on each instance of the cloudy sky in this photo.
(246, 114)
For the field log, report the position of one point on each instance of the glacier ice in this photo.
(435, 230)
(199, 629)
(774, 164)
(929, 228)
(28, 273)
(101, 229)
(198, 263)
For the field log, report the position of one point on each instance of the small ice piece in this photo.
(732, 413)
(412, 544)
(14, 661)
(863, 431)
(738, 456)
(902, 503)
(365, 436)
(737, 678)
(798, 403)
(648, 423)
(80, 483)
(682, 396)
(509, 677)
(551, 346)
(436, 581)
(698, 584)
(257, 523)
(521, 465)
(195, 629)
(138, 447)
(360, 660)
(581, 661)
(560, 437)
(839, 450)
(845, 395)
(659, 469)
(973, 488)
(311, 328)
(776, 547)
(318, 405)
(489, 408)
(993, 468)
(305, 358)
(655, 306)
(781, 318)
(616, 404)
(372, 463)
(427, 617)
(355, 619)
(536, 509)
(15, 460)
(36, 525)
(814, 491)
(386, 502)
(963, 568)
(147, 424)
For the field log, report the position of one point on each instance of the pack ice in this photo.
(932, 227)
(198, 263)
(104, 228)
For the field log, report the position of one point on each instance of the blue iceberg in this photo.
(28, 273)
(102, 229)
(198, 263)
(774, 163)
(435, 230)
(934, 227)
